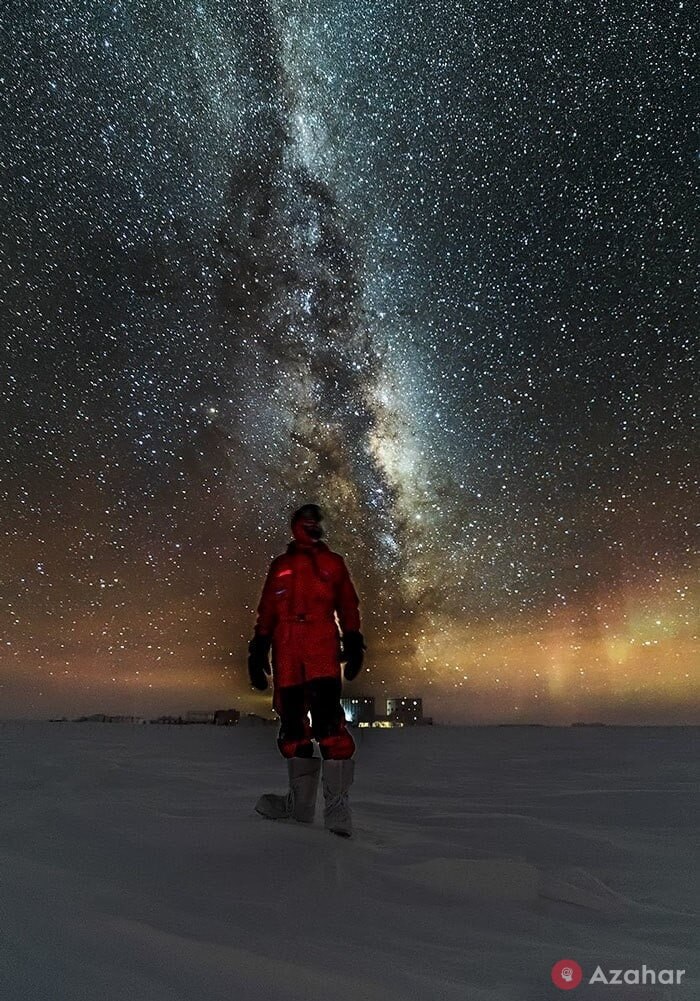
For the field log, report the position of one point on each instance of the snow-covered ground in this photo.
(133, 866)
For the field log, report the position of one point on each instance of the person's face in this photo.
(306, 531)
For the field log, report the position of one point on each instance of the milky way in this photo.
(430, 266)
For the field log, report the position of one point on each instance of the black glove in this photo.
(353, 653)
(259, 661)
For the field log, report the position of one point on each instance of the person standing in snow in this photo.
(305, 588)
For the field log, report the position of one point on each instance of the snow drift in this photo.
(134, 867)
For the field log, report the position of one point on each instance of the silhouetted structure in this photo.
(359, 709)
(103, 718)
(406, 711)
(226, 717)
(252, 719)
(199, 716)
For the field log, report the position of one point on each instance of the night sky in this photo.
(427, 265)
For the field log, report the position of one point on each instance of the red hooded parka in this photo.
(304, 589)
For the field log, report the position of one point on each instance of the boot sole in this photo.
(295, 820)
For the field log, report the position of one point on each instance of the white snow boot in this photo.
(337, 779)
(300, 801)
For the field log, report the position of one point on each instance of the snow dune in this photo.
(134, 868)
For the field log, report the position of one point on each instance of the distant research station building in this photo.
(360, 710)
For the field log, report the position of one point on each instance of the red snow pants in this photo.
(321, 698)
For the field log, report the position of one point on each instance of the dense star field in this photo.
(429, 266)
